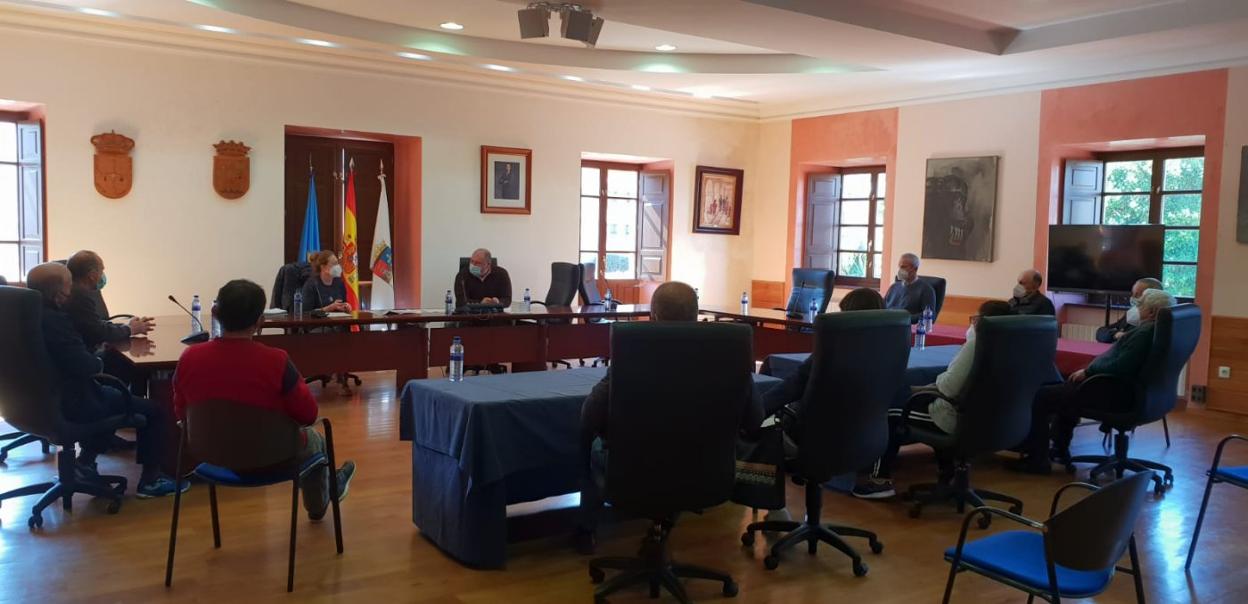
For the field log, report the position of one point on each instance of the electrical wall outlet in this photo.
(1224, 372)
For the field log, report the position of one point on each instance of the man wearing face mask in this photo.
(86, 307)
(85, 400)
(482, 282)
(1028, 300)
(1112, 332)
(908, 292)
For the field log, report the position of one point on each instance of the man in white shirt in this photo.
(928, 411)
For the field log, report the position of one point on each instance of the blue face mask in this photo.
(103, 281)
(475, 270)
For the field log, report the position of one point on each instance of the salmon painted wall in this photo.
(852, 139)
(1184, 105)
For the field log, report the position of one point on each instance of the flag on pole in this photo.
(350, 255)
(310, 240)
(382, 259)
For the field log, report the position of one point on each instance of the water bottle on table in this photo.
(928, 318)
(920, 335)
(607, 301)
(297, 307)
(457, 360)
(449, 305)
(812, 311)
(197, 325)
(745, 303)
(528, 300)
(216, 323)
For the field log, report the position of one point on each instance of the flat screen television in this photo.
(1103, 258)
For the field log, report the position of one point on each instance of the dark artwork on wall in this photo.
(958, 208)
(1242, 232)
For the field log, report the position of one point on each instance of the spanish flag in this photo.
(350, 256)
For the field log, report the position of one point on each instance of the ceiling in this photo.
(768, 58)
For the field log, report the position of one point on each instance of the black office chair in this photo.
(809, 283)
(565, 280)
(843, 423)
(1142, 401)
(30, 401)
(290, 279)
(938, 286)
(247, 446)
(19, 438)
(1013, 358)
(588, 287)
(677, 393)
(1073, 554)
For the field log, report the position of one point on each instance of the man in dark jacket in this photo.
(1028, 299)
(85, 400)
(1110, 333)
(908, 292)
(86, 306)
(1123, 360)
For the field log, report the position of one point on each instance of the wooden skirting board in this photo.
(1228, 348)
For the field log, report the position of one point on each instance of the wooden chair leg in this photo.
(216, 524)
(294, 519)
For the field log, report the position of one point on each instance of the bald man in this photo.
(83, 399)
(481, 282)
(672, 301)
(86, 307)
(1028, 299)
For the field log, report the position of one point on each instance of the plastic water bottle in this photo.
(927, 319)
(607, 301)
(528, 300)
(197, 324)
(449, 306)
(298, 305)
(920, 335)
(745, 303)
(812, 311)
(216, 323)
(457, 360)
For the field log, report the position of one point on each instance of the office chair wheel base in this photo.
(916, 511)
(1070, 469)
(860, 569)
(747, 538)
(3, 456)
(771, 562)
(731, 589)
(596, 575)
(35, 522)
(113, 507)
(1159, 488)
(984, 521)
(1169, 479)
(877, 547)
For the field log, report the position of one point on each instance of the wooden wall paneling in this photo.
(767, 294)
(958, 310)
(1228, 348)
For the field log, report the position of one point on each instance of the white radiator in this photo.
(1079, 331)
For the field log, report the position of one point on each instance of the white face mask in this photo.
(903, 274)
(970, 333)
(1019, 291)
(335, 271)
(1135, 302)
(1133, 314)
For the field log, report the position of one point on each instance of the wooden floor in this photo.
(91, 556)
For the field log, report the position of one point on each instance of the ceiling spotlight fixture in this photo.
(97, 12)
(315, 42)
(665, 48)
(572, 78)
(451, 25)
(494, 67)
(578, 22)
(641, 87)
(7, 102)
(703, 95)
(215, 29)
(414, 56)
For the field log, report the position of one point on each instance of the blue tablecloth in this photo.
(923, 367)
(490, 441)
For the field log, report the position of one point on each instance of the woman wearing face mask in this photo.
(1112, 332)
(325, 289)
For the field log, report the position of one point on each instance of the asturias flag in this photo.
(310, 240)
(350, 256)
(382, 259)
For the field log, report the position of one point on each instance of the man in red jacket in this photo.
(236, 368)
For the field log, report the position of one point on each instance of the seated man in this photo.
(86, 306)
(1124, 360)
(482, 282)
(1028, 299)
(236, 368)
(84, 400)
(936, 410)
(672, 301)
(1110, 333)
(907, 292)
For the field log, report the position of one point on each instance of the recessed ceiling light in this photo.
(451, 25)
(494, 67)
(414, 56)
(315, 42)
(665, 48)
(641, 87)
(572, 78)
(98, 12)
(216, 28)
(7, 102)
(703, 95)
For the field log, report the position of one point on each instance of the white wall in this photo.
(173, 234)
(1230, 297)
(770, 204)
(1007, 126)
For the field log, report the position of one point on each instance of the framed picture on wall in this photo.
(717, 201)
(506, 180)
(959, 207)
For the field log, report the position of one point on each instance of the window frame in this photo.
(604, 167)
(18, 119)
(873, 199)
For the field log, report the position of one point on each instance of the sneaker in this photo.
(345, 473)
(161, 487)
(875, 488)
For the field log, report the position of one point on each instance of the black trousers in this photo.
(919, 417)
(150, 442)
(1054, 415)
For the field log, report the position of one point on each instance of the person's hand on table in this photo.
(142, 347)
(337, 306)
(141, 325)
(494, 301)
(1079, 376)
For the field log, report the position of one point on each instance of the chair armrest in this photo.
(1103, 386)
(905, 413)
(991, 511)
(1057, 497)
(109, 381)
(1217, 457)
(115, 317)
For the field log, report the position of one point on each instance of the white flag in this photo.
(382, 258)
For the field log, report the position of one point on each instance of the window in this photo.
(609, 197)
(1156, 187)
(21, 198)
(845, 220)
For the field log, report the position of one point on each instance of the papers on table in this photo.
(338, 315)
(274, 312)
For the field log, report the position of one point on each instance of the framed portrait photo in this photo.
(506, 180)
(717, 201)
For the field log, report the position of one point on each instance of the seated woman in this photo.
(325, 289)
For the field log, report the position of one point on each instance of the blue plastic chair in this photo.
(247, 446)
(1071, 555)
(1237, 475)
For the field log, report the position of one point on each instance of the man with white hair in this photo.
(1123, 360)
(908, 293)
(1110, 333)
